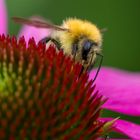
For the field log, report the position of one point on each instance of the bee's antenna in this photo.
(99, 67)
(90, 61)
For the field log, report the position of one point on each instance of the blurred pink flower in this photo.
(3, 17)
(122, 88)
(27, 31)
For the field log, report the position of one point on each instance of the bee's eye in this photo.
(87, 45)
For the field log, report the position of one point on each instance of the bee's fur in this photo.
(79, 30)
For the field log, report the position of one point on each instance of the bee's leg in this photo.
(48, 41)
(86, 67)
(90, 63)
(74, 50)
(57, 44)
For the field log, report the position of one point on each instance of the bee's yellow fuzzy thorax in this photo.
(78, 28)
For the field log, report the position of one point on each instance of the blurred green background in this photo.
(121, 46)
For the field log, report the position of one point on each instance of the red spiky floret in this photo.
(42, 95)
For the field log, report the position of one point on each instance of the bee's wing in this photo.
(38, 22)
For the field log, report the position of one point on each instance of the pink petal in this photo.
(121, 87)
(37, 33)
(3, 17)
(111, 139)
(127, 128)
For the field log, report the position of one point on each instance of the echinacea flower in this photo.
(41, 100)
(121, 88)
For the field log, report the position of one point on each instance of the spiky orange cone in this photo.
(42, 95)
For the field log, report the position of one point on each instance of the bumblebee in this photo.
(80, 39)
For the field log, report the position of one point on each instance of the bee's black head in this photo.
(86, 47)
(83, 48)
